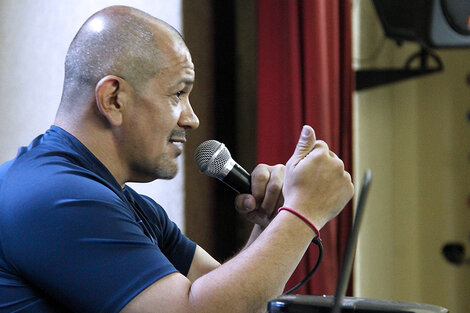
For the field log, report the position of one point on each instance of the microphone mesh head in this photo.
(211, 157)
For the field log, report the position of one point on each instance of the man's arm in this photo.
(202, 264)
(315, 185)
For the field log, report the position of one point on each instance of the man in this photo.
(75, 238)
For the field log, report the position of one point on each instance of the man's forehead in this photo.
(174, 51)
(174, 54)
(166, 36)
(178, 60)
(176, 72)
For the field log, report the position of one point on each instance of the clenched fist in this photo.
(315, 182)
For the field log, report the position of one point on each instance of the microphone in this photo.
(213, 159)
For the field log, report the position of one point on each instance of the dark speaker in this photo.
(432, 23)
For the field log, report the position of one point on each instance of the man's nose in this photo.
(188, 118)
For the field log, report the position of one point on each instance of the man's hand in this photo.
(266, 184)
(316, 183)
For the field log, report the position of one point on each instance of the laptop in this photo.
(339, 303)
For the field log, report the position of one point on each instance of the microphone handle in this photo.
(238, 179)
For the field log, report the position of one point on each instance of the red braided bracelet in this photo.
(302, 217)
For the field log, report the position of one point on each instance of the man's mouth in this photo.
(178, 143)
(177, 137)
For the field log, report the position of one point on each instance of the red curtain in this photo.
(305, 77)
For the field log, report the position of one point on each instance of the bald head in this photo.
(117, 40)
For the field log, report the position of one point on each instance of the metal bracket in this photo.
(376, 77)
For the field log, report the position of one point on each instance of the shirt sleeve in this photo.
(175, 246)
(73, 238)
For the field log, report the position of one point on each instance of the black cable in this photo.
(318, 243)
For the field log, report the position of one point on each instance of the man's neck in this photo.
(99, 140)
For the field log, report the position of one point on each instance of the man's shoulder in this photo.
(149, 205)
(4, 168)
(44, 178)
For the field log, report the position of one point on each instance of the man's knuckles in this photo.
(261, 174)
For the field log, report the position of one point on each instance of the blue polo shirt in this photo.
(71, 239)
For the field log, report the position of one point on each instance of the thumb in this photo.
(304, 145)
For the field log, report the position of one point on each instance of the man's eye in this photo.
(179, 94)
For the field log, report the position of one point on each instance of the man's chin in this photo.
(167, 172)
(167, 177)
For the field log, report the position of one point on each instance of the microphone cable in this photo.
(317, 241)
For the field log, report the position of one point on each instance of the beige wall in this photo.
(34, 37)
(415, 137)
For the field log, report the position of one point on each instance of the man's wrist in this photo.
(302, 217)
(296, 222)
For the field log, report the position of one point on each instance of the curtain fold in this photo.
(305, 77)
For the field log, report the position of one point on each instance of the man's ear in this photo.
(111, 98)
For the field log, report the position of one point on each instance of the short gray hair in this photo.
(115, 41)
